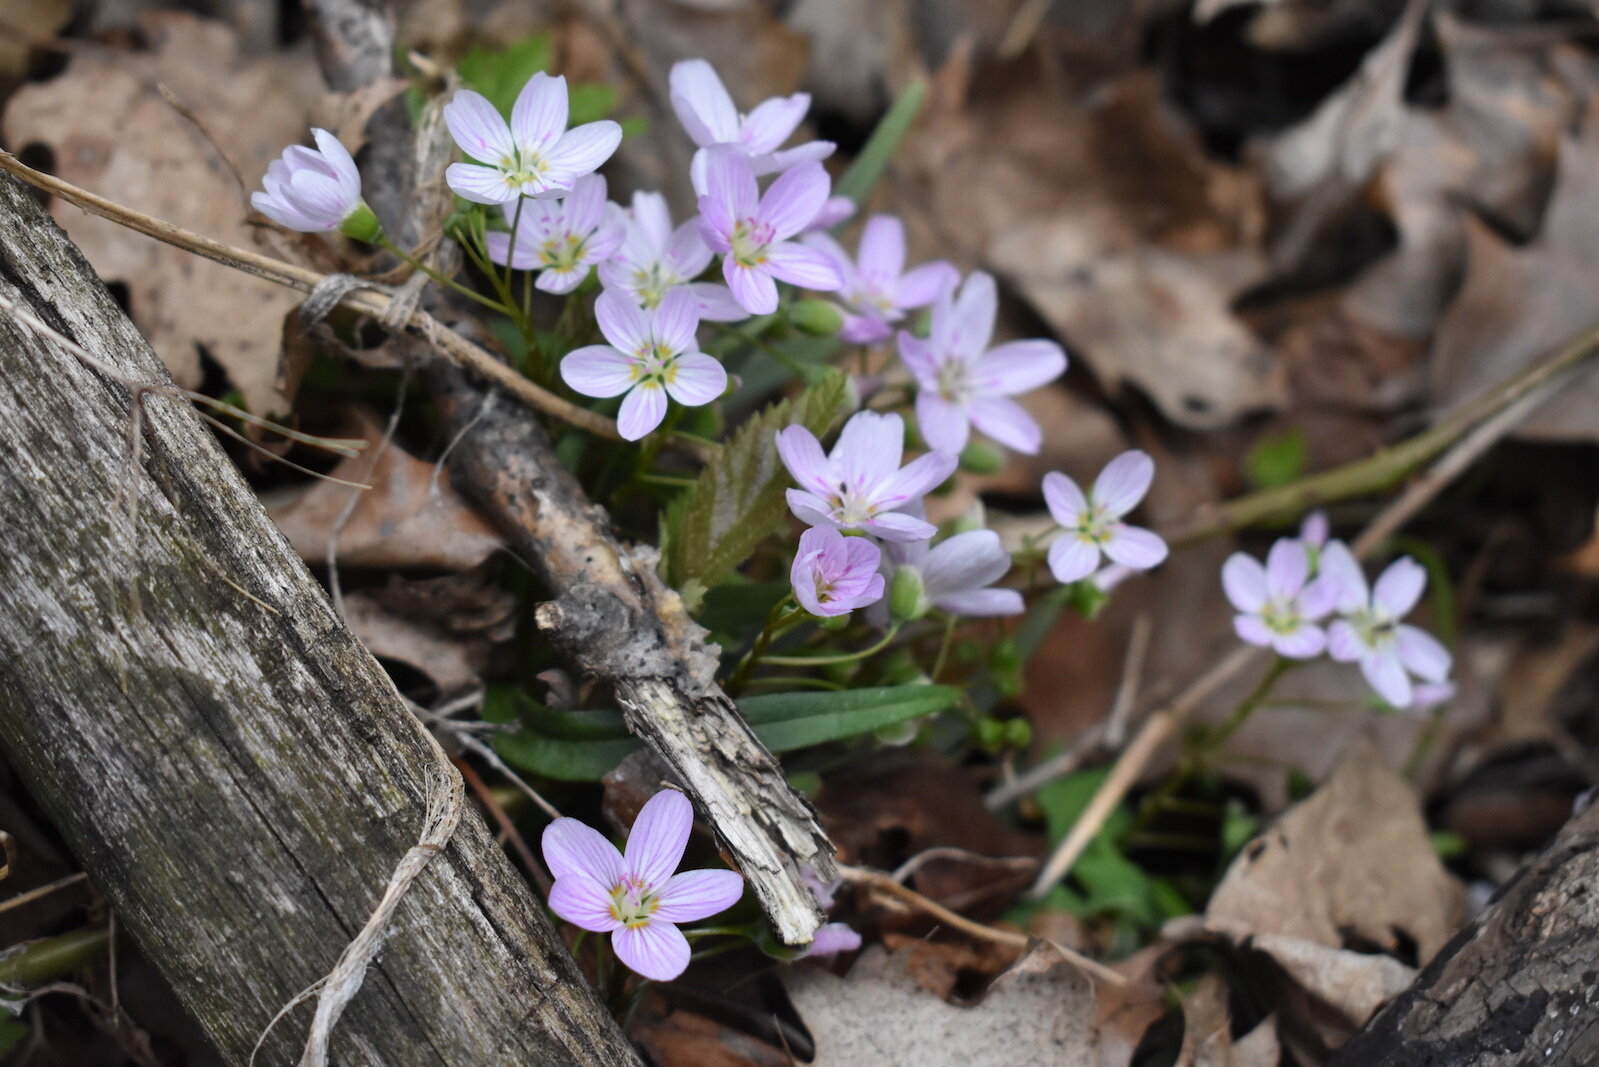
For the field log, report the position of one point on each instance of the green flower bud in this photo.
(819, 318)
(989, 733)
(906, 598)
(981, 458)
(833, 623)
(362, 225)
(1018, 733)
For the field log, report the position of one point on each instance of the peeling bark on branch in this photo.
(1519, 985)
(614, 619)
(223, 757)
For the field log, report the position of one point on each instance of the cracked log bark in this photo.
(223, 757)
(1518, 985)
(615, 620)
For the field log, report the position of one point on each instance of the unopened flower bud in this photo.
(362, 225)
(981, 458)
(819, 318)
(907, 598)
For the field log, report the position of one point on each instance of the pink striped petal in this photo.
(656, 950)
(1244, 581)
(479, 129)
(581, 150)
(1007, 422)
(1387, 676)
(1123, 483)
(642, 410)
(538, 118)
(1065, 500)
(881, 257)
(696, 379)
(1134, 547)
(1252, 629)
(925, 284)
(623, 322)
(944, 425)
(793, 200)
(659, 835)
(802, 455)
(753, 289)
(1072, 559)
(772, 121)
(808, 268)
(1306, 641)
(1422, 653)
(702, 103)
(573, 849)
(597, 370)
(1021, 366)
(481, 185)
(676, 318)
(695, 895)
(584, 903)
(1287, 566)
(1398, 588)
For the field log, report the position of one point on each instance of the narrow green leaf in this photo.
(862, 175)
(835, 716)
(737, 501)
(561, 759)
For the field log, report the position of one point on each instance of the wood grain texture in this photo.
(226, 761)
(1518, 985)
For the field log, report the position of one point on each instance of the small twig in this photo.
(31, 895)
(1494, 415)
(503, 820)
(883, 883)
(445, 341)
(950, 852)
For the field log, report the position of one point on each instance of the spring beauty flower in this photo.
(654, 258)
(534, 155)
(1279, 604)
(652, 355)
(964, 383)
(636, 898)
(953, 576)
(877, 289)
(1369, 633)
(751, 231)
(830, 940)
(709, 116)
(1093, 523)
(860, 484)
(833, 574)
(561, 239)
(316, 191)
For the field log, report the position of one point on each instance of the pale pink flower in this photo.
(637, 898)
(1370, 633)
(709, 116)
(830, 940)
(1279, 604)
(964, 383)
(833, 574)
(655, 258)
(561, 239)
(860, 485)
(652, 355)
(752, 231)
(1093, 524)
(877, 289)
(835, 211)
(532, 155)
(311, 190)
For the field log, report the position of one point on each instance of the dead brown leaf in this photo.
(444, 627)
(1040, 1012)
(111, 132)
(1207, 1032)
(1519, 303)
(1108, 218)
(412, 516)
(1350, 864)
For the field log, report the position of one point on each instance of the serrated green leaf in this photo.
(500, 73)
(862, 175)
(737, 501)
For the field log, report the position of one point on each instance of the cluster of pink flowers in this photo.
(1285, 605)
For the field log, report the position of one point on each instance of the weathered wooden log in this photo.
(226, 761)
(1518, 985)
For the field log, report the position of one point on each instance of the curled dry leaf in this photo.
(1207, 1032)
(1040, 1012)
(110, 131)
(443, 627)
(1347, 873)
(412, 516)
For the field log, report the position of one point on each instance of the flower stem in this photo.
(450, 283)
(784, 614)
(843, 657)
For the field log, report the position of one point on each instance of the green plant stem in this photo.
(943, 648)
(1194, 759)
(33, 963)
(827, 661)
(449, 283)
(510, 248)
(784, 614)
(1389, 466)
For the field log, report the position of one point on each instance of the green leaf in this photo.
(561, 759)
(783, 722)
(500, 73)
(1275, 461)
(862, 175)
(737, 501)
(590, 102)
